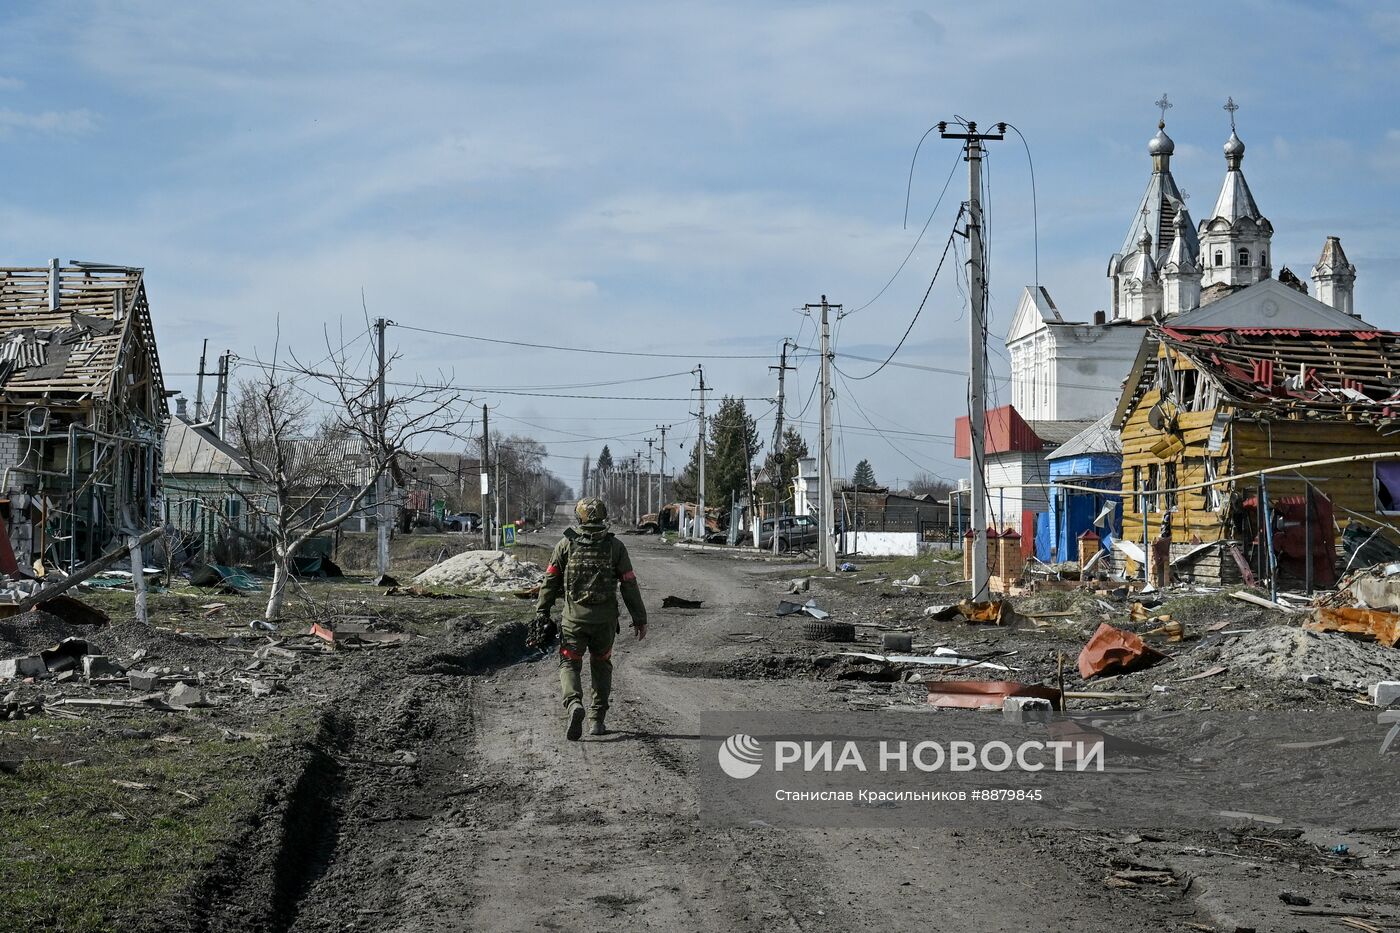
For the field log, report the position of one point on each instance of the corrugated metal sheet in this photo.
(1006, 431)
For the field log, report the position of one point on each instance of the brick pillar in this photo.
(1010, 560)
(1088, 546)
(993, 558)
(1161, 556)
(968, 538)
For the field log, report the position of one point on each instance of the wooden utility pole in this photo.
(977, 340)
(651, 442)
(782, 369)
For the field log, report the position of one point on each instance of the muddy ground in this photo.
(428, 787)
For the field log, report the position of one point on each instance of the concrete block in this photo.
(1025, 709)
(183, 696)
(145, 681)
(18, 668)
(1385, 693)
(99, 665)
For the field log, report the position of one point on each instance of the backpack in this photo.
(590, 576)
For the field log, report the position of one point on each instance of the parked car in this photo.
(795, 533)
(461, 521)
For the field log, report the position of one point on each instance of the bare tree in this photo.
(319, 440)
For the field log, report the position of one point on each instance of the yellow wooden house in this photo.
(1207, 403)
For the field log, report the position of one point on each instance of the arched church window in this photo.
(1219, 258)
(1244, 257)
(1263, 259)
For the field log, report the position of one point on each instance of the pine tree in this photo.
(865, 475)
(605, 460)
(731, 444)
(782, 465)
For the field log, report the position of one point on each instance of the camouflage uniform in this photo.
(587, 568)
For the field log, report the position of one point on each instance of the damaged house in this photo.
(82, 406)
(1205, 403)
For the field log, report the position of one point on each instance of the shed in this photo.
(1092, 458)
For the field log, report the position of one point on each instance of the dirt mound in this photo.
(1288, 653)
(495, 571)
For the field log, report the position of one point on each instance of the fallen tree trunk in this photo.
(88, 570)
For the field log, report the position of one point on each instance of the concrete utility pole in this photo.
(637, 488)
(381, 486)
(977, 346)
(661, 475)
(485, 476)
(199, 386)
(782, 369)
(583, 483)
(827, 526)
(651, 442)
(700, 510)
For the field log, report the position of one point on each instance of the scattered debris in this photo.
(1248, 597)
(184, 696)
(1174, 631)
(994, 612)
(897, 641)
(800, 585)
(986, 694)
(386, 580)
(810, 608)
(225, 579)
(1211, 672)
(847, 568)
(680, 602)
(942, 613)
(829, 631)
(1020, 709)
(1383, 626)
(1286, 653)
(914, 580)
(494, 571)
(357, 635)
(99, 665)
(1385, 693)
(1114, 651)
(942, 657)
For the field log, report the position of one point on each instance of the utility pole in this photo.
(221, 397)
(486, 489)
(700, 510)
(583, 483)
(651, 442)
(827, 539)
(637, 488)
(782, 369)
(381, 486)
(977, 346)
(199, 389)
(661, 475)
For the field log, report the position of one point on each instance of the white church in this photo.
(1066, 373)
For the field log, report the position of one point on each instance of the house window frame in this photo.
(1376, 487)
(1242, 254)
(1219, 258)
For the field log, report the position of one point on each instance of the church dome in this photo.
(1234, 146)
(1161, 144)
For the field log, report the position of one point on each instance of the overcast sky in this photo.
(665, 178)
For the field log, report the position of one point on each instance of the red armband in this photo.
(551, 571)
(629, 577)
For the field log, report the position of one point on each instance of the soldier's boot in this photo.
(575, 728)
(600, 670)
(571, 684)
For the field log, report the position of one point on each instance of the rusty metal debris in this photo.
(1114, 651)
(680, 602)
(1383, 626)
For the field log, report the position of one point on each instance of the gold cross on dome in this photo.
(1163, 105)
(1231, 107)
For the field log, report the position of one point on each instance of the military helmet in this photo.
(591, 511)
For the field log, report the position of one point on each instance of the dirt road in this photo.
(509, 827)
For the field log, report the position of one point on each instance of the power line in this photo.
(591, 351)
(908, 330)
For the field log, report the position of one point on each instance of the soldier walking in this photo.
(588, 567)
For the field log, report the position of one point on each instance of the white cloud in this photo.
(59, 122)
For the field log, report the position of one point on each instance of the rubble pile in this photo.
(494, 571)
(1286, 652)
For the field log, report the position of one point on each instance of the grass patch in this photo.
(81, 852)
